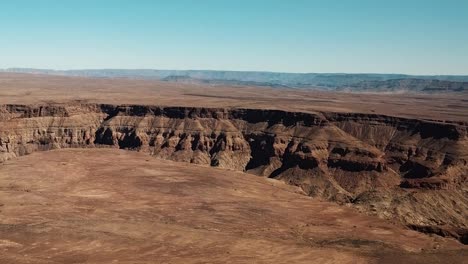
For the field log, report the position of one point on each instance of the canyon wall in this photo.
(407, 170)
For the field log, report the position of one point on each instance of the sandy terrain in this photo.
(115, 206)
(28, 88)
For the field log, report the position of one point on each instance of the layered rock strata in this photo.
(407, 170)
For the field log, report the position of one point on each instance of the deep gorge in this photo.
(388, 166)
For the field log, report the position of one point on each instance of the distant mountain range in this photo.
(321, 81)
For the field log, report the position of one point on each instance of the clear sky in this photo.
(384, 36)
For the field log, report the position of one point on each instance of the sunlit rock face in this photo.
(389, 166)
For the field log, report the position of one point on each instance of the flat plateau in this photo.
(44, 89)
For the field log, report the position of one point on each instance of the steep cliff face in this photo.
(389, 166)
(25, 129)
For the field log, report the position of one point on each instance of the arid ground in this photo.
(115, 206)
(28, 88)
(87, 201)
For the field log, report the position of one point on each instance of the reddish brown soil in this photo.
(115, 206)
(112, 206)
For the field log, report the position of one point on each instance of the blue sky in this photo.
(412, 36)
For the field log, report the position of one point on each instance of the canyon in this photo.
(94, 169)
(409, 171)
(196, 132)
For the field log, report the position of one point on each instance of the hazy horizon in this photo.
(222, 70)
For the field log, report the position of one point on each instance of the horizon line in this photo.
(11, 69)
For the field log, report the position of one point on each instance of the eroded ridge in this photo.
(412, 171)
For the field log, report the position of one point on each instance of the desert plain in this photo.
(119, 203)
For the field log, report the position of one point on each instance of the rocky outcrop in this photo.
(349, 158)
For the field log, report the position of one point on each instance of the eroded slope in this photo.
(393, 167)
